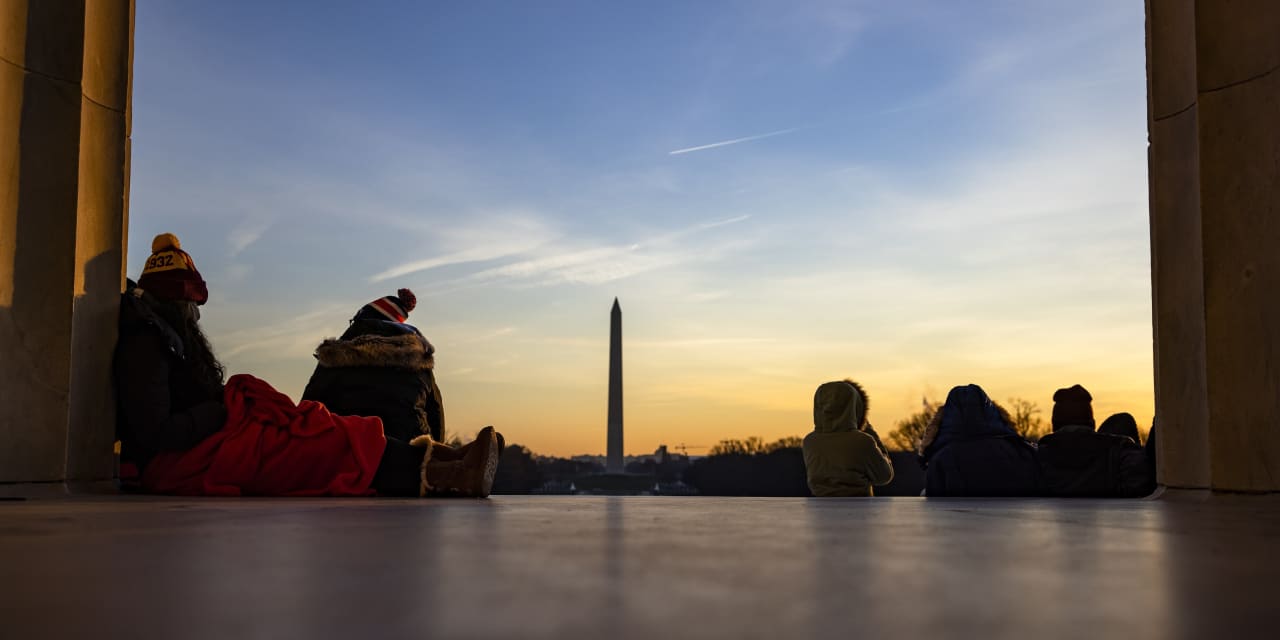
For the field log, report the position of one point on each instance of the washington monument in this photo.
(613, 460)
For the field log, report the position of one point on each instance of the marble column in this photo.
(1213, 73)
(64, 126)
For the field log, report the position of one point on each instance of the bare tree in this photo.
(906, 437)
(1026, 419)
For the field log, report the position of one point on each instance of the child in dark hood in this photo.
(1077, 461)
(843, 456)
(970, 448)
(1121, 424)
(382, 366)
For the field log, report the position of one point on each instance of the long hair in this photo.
(184, 318)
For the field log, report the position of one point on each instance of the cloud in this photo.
(291, 337)
(483, 253)
(236, 273)
(725, 143)
(721, 223)
(489, 238)
(248, 232)
(598, 265)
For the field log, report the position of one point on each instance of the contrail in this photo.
(726, 143)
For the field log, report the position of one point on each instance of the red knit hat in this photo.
(394, 308)
(170, 274)
(1072, 406)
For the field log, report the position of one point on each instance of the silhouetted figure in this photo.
(186, 433)
(1078, 462)
(843, 455)
(970, 448)
(1121, 424)
(382, 367)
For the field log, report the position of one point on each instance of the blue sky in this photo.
(921, 194)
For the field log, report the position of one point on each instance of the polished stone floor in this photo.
(639, 567)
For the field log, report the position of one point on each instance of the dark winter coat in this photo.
(971, 449)
(384, 369)
(160, 404)
(1076, 461)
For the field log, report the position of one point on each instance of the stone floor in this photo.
(638, 567)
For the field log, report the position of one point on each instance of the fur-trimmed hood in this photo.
(408, 351)
(967, 414)
(839, 406)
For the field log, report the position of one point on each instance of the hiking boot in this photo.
(470, 477)
(444, 453)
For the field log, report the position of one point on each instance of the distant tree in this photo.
(517, 471)
(451, 438)
(747, 447)
(789, 442)
(750, 467)
(909, 431)
(776, 473)
(565, 470)
(1026, 419)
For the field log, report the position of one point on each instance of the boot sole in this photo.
(490, 467)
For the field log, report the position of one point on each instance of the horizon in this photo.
(915, 197)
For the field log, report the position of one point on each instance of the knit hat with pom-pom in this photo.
(394, 308)
(170, 273)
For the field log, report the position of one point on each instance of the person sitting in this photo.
(382, 366)
(1077, 461)
(1121, 424)
(843, 455)
(185, 432)
(969, 448)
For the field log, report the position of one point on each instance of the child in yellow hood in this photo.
(843, 456)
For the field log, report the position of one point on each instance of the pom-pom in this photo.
(407, 300)
(165, 241)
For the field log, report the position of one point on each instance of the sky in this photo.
(915, 195)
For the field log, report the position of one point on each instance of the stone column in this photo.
(63, 168)
(1214, 102)
(101, 239)
(1177, 264)
(1238, 79)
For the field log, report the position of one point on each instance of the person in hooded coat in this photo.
(970, 448)
(1077, 461)
(183, 431)
(843, 455)
(1121, 424)
(382, 367)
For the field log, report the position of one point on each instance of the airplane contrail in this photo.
(726, 143)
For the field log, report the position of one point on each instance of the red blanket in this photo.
(272, 447)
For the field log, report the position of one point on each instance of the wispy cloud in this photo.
(489, 238)
(721, 223)
(248, 232)
(598, 265)
(474, 254)
(725, 143)
(291, 337)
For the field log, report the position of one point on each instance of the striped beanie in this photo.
(170, 273)
(393, 308)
